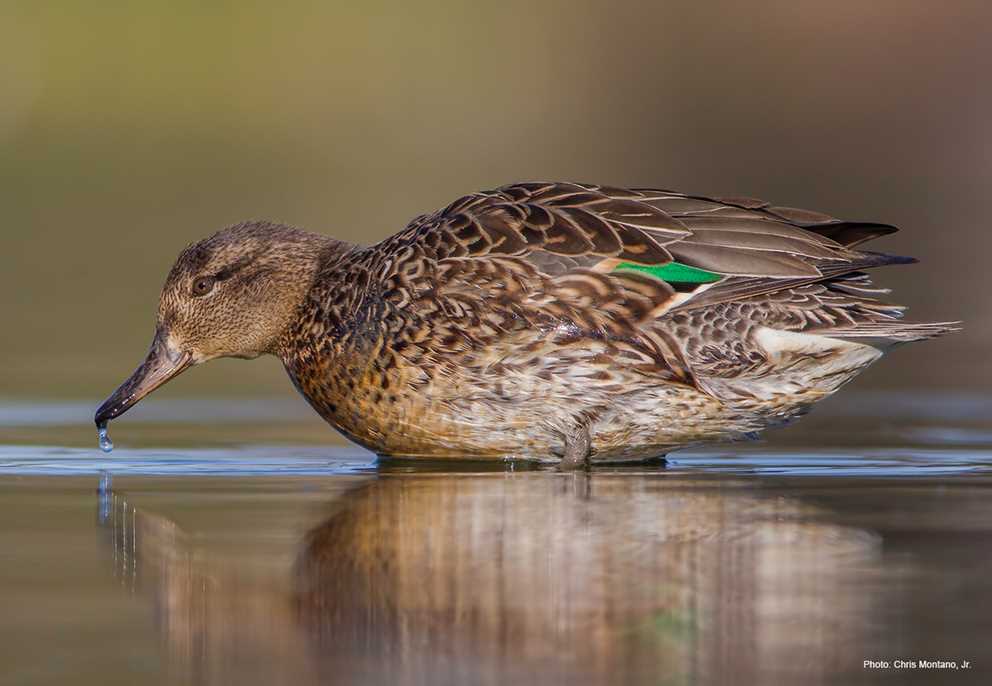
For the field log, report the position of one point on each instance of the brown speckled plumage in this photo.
(525, 322)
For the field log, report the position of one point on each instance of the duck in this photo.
(558, 322)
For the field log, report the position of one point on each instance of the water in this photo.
(230, 543)
(103, 438)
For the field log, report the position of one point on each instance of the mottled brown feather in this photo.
(500, 323)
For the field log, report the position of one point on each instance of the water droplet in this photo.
(106, 445)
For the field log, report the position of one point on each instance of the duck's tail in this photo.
(885, 334)
(871, 320)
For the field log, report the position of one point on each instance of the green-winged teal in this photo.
(550, 321)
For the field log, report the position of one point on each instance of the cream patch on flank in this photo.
(831, 355)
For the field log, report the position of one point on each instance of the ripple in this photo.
(262, 460)
(873, 462)
(250, 461)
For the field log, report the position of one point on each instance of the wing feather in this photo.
(539, 261)
(733, 236)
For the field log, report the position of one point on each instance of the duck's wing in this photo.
(506, 269)
(734, 246)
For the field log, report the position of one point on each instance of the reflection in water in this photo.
(221, 623)
(486, 578)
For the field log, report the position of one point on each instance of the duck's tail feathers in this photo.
(885, 334)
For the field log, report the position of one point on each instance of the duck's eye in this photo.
(204, 285)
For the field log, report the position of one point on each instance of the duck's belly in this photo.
(525, 411)
(652, 422)
(635, 425)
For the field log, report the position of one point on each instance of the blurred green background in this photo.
(128, 129)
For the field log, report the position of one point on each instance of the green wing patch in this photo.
(673, 272)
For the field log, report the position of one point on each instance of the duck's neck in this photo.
(323, 260)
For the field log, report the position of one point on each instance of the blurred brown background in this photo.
(130, 129)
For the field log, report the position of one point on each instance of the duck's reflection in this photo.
(532, 577)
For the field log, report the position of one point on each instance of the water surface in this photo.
(233, 543)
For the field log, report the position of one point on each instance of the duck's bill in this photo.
(162, 364)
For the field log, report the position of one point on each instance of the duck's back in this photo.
(511, 319)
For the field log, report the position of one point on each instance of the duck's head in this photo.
(230, 295)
